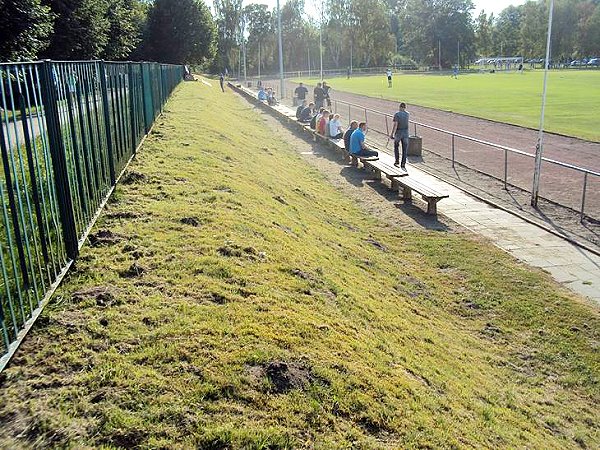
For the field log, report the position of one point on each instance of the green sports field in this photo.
(573, 100)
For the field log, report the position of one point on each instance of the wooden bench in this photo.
(380, 167)
(428, 194)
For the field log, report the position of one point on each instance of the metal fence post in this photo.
(107, 127)
(131, 106)
(585, 177)
(505, 168)
(59, 159)
(453, 151)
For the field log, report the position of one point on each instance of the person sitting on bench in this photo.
(335, 127)
(300, 109)
(357, 143)
(271, 99)
(348, 133)
(307, 113)
(262, 95)
(322, 123)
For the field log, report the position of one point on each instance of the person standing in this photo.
(389, 77)
(222, 81)
(319, 96)
(300, 93)
(326, 89)
(358, 147)
(348, 73)
(400, 135)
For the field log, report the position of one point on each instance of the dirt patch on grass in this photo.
(105, 237)
(191, 221)
(283, 377)
(133, 177)
(103, 296)
(135, 270)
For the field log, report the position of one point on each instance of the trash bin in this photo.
(415, 146)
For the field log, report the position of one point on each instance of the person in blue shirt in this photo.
(262, 95)
(400, 135)
(357, 142)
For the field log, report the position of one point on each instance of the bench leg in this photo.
(431, 206)
(377, 174)
(394, 185)
(354, 161)
(406, 193)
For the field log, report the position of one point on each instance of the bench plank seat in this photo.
(428, 194)
(389, 170)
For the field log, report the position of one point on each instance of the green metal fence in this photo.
(69, 129)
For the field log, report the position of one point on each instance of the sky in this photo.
(489, 6)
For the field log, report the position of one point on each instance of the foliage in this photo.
(180, 32)
(25, 26)
(127, 19)
(430, 25)
(227, 15)
(399, 337)
(81, 29)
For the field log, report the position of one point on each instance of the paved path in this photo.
(559, 184)
(570, 265)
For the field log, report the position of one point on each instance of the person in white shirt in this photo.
(335, 128)
(389, 77)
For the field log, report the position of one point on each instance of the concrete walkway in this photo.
(570, 265)
(574, 267)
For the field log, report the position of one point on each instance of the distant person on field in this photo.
(307, 113)
(300, 109)
(326, 90)
(400, 134)
(521, 68)
(353, 126)
(348, 73)
(262, 95)
(222, 82)
(319, 95)
(300, 92)
(389, 77)
(455, 72)
(335, 128)
(358, 147)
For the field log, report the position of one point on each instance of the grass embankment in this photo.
(242, 302)
(572, 108)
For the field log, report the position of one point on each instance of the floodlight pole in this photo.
(281, 83)
(321, 44)
(539, 148)
(440, 54)
(458, 55)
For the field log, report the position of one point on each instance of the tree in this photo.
(25, 27)
(227, 16)
(127, 19)
(80, 29)
(428, 25)
(507, 32)
(260, 33)
(180, 32)
(483, 34)
(589, 32)
(374, 40)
